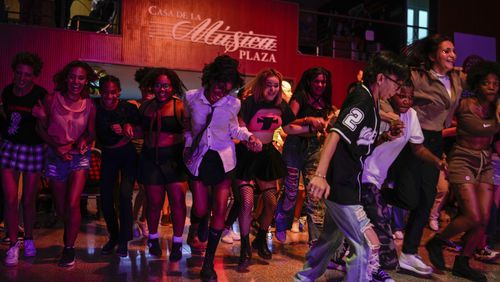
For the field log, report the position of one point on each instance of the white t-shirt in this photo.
(378, 163)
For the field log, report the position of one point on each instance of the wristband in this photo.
(319, 175)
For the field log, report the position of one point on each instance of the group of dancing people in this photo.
(220, 140)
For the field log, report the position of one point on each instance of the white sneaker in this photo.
(414, 263)
(226, 236)
(295, 226)
(29, 248)
(398, 235)
(235, 235)
(434, 224)
(12, 257)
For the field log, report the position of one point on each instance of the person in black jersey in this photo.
(337, 179)
(161, 167)
(21, 151)
(115, 121)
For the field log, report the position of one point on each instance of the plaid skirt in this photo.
(21, 157)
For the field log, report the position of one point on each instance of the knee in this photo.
(74, 205)
(474, 221)
(199, 211)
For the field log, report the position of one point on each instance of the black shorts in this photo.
(266, 165)
(165, 168)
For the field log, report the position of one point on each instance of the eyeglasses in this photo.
(162, 85)
(493, 83)
(398, 84)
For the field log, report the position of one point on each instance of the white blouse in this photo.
(219, 134)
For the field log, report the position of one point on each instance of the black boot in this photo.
(461, 268)
(260, 244)
(207, 272)
(435, 249)
(176, 252)
(245, 254)
(154, 247)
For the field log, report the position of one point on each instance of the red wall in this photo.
(148, 40)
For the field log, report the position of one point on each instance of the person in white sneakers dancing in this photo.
(21, 151)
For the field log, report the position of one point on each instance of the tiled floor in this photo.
(139, 266)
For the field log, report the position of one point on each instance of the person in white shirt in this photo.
(378, 163)
(209, 154)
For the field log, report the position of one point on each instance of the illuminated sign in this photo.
(193, 28)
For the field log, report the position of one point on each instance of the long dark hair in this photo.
(60, 78)
(304, 85)
(419, 52)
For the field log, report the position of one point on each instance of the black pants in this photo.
(121, 160)
(415, 189)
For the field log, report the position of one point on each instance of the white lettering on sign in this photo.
(258, 47)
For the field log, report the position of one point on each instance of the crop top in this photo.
(306, 110)
(168, 124)
(470, 124)
(265, 116)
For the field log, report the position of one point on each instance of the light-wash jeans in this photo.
(341, 220)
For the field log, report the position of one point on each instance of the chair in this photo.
(100, 19)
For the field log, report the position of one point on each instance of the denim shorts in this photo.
(59, 170)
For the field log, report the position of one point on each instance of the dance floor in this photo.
(139, 266)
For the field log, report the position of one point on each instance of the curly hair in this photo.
(257, 85)
(29, 59)
(304, 85)
(418, 53)
(109, 78)
(478, 72)
(140, 74)
(385, 62)
(177, 85)
(61, 77)
(222, 69)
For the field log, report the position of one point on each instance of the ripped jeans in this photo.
(342, 220)
(301, 155)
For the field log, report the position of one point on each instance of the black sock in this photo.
(213, 242)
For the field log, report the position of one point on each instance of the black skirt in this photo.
(266, 165)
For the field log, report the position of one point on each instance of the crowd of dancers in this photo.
(382, 149)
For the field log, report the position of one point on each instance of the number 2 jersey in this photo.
(358, 125)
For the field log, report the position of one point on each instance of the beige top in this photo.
(434, 106)
(67, 122)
